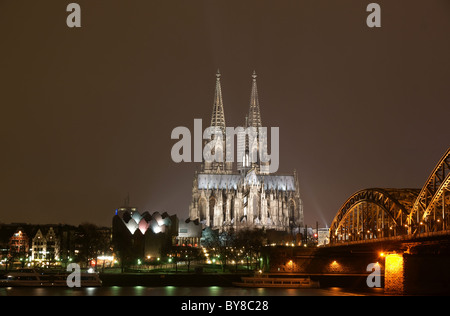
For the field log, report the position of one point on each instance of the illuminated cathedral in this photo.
(244, 194)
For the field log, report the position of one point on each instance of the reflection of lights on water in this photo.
(215, 290)
(115, 290)
(139, 289)
(169, 290)
(183, 291)
(90, 290)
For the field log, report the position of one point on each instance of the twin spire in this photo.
(254, 115)
(252, 119)
(218, 114)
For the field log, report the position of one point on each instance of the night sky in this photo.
(87, 113)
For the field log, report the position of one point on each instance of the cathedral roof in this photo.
(231, 181)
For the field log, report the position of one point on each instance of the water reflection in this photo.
(170, 290)
(175, 291)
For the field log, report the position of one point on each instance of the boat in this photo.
(38, 278)
(260, 280)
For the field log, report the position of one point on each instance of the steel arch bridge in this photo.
(382, 213)
(430, 209)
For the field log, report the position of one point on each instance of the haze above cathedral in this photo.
(244, 194)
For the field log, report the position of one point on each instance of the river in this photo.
(178, 291)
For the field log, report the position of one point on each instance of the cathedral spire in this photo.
(254, 115)
(218, 122)
(218, 115)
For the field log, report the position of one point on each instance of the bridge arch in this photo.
(431, 209)
(373, 213)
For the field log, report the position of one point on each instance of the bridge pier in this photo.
(417, 274)
(394, 276)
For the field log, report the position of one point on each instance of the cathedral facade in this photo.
(244, 194)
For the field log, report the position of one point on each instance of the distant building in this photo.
(142, 236)
(189, 233)
(323, 236)
(19, 244)
(45, 246)
(62, 245)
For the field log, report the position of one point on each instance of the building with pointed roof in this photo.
(45, 245)
(138, 235)
(248, 196)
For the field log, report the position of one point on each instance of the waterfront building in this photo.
(19, 244)
(45, 246)
(142, 236)
(244, 195)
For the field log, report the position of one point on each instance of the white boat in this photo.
(260, 280)
(35, 277)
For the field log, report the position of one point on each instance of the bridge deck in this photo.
(401, 238)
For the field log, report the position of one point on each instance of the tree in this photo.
(220, 244)
(91, 242)
(251, 242)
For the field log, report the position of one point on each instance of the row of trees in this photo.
(230, 246)
(227, 248)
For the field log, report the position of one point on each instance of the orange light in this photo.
(394, 262)
(394, 273)
(382, 254)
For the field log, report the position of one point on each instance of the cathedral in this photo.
(244, 194)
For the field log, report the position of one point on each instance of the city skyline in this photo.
(88, 112)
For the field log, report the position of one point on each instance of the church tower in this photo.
(218, 124)
(250, 144)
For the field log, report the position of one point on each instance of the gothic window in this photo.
(245, 160)
(291, 209)
(256, 206)
(224, 209)
(232, 208)
(245, 205)
(212, 203)
(202, 209)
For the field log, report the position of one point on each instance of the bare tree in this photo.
(219, 244)
(251, 242)
(91, 242)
